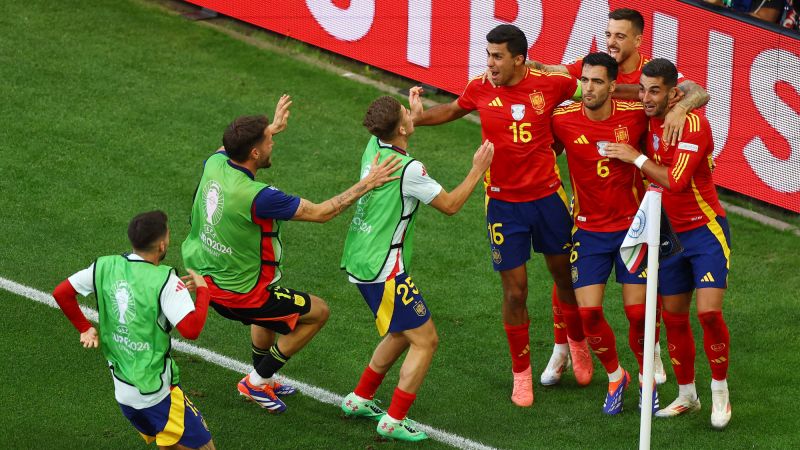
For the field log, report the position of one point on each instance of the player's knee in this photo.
(321, 310)
(515, 295)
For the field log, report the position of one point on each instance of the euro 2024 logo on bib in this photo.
(124, 305)
(214, 201)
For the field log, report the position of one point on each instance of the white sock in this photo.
(258, 380)
(392, 419)
(561, 348)
(717, 385)
(687, 390)
(657, 350)
(616, 375)
(360, 398)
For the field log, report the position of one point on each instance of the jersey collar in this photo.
(382, 144)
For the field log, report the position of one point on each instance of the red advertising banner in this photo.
(752, 74)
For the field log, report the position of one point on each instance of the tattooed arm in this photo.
(379, 174)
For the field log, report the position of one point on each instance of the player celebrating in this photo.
(235, 243)
(606, 197)
(377, 254)
(623, 38)
(691, 204)
(138, 301)
(527, 206)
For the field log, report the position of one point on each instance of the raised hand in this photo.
(281, 114)
(415, 102)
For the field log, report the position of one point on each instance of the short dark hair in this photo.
(242, 135)
(662, 68)
(605, 60)
(146, 229)
(631, 15)
(382, 117)
(512, 36)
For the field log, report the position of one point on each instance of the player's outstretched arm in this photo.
(451, 202)
(547, 67)
(443, 113)
(379, 174)
(694, 96)
(626, 92)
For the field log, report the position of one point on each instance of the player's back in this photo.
(517, 120)
(606, 192)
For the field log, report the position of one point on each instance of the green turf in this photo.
(109, 109)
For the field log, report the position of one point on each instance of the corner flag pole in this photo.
(653, 215)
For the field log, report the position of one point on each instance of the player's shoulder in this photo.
(567, 110)
(696, 123)
(477, 82)
(627, 105)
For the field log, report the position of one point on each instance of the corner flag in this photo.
(634, 247)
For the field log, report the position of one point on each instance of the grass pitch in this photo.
(109, 109)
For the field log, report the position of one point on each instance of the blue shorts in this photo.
(174, 420)
(593, 254)
(704, 262)
(396, 303)
(516, 227)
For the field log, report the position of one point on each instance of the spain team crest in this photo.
(621, 134)
(537, 101)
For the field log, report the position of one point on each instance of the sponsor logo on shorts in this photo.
(496, 257)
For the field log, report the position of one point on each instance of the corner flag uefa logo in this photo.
(124, 305)
(638, 226)
(214, 200)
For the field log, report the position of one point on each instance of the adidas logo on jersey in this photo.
(581, 140)
(496, 102)
(707, 278)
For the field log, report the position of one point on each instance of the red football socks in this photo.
(635, 315)
(600, 336)
(572, 317)
(369, 383)
(519, 346)
(401, 403)
(717, 342)
(680, 343)
(559, 325)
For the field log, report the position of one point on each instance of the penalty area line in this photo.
(317, 393)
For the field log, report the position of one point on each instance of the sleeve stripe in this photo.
(677, 170)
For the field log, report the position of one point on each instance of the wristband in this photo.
(639, 161)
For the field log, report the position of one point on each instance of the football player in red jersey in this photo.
(527, 205)
(693, 208)
(623, 38)
(606, 197)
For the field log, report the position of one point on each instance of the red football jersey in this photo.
(691, 199)
(517, 120)
(606, 192)
(576, 67)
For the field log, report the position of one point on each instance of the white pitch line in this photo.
(317, 393)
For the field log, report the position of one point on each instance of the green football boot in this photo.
(352, 406)
(405, 430)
